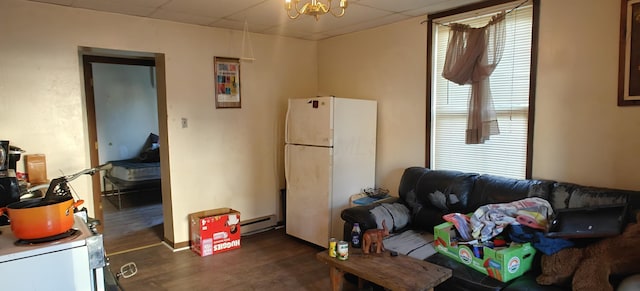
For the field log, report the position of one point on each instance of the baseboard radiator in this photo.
(260, 224)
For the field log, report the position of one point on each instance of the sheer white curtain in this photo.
(472, 55)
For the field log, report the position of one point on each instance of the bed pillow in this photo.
(150, 150)
(151, 140)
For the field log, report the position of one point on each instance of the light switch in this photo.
(185, 124)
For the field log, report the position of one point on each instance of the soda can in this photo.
(343, 250)
(332, 247)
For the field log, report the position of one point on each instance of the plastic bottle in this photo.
(355, 236)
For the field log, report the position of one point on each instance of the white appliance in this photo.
(71, 263)
(330, 154)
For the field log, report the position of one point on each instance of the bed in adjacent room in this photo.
(136, 175)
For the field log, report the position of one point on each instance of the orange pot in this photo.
(37, 218)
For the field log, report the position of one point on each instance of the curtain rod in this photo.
(511, 10)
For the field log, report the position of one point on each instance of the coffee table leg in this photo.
(336, 279)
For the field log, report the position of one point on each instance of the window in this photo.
(505, 154)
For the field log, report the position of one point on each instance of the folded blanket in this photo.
(395, 215)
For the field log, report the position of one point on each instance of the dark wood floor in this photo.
(269, 260)
(138, 223)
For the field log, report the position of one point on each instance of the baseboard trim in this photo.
(260, 224)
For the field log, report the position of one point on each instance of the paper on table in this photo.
(411, 243)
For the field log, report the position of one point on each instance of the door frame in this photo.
(87, 61)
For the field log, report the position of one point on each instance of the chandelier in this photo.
(315, 8)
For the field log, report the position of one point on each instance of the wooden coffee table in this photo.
(394, 273)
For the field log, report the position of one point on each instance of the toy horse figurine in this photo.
(373, 237)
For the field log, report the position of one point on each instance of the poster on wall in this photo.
(227, 74)
(629, 63)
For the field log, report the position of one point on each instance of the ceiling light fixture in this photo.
(314, 8)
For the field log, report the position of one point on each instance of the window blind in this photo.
(504, 154)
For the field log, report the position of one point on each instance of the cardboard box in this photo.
(214, 231)
(503, 264)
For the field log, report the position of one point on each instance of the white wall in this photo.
(225, 158)
(387, 64)
(580, 136)
(126, 105)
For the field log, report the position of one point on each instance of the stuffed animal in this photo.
(373, 237)
(591, 266)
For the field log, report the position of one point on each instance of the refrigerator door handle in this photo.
(286, 124)
(286, 163)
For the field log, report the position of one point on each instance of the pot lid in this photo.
(38, 202)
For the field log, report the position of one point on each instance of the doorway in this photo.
(122, 113)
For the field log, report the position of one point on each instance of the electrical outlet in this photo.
(185, 124)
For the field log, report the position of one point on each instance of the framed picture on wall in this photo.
(227, 74)
(629, 63)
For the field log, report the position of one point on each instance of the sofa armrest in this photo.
(362, 216)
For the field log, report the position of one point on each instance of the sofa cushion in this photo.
(427, 218)
(491, 189)
(448, 182)
(413, 202)
(443, 201)
(568, 195)
(409, 180)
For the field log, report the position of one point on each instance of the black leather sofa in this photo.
(474, 190)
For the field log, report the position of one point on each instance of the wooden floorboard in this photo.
(270, 260)
(137, 224)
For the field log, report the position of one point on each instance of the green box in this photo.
(503, 264)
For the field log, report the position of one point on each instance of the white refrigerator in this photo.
(330, 154)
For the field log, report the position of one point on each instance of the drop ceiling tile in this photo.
(211, 8)
(58, 2)
(267, 13)
(115, 6)
(183, 17)
(397, 5)
(239, 25)
(417, 12)
(145, 3)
